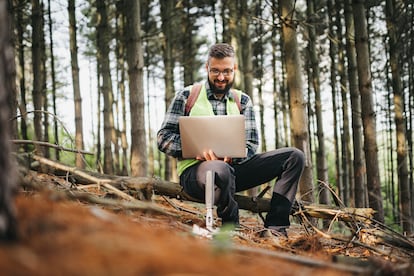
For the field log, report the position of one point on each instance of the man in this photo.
(231, 175)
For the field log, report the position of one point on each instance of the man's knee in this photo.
(223, 179)
(223, 172)
(219, 168)
(298, 157)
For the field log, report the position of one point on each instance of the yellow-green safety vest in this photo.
(202, 107)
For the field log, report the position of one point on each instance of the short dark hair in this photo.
(221, 50)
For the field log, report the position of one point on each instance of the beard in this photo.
(217, 90)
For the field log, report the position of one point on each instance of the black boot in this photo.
(278, 215)
(229, 214)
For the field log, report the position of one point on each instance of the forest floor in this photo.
(62, 236)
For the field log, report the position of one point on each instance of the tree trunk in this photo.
(245, 49)
(284, 97)
(45, 135)
(389, 162)
(333, 50)
(37, 67)
(139, 165)
(103, 40)
(167, 10)
(53, 75)
(358, 162)
(299, 120)
(410, 118)
(258, 68)
(276, 98)
(231, 36)
(215, 24)
(8, 225)
(121, 79)
(347, 169)
(367, 108)
(20, 26)
(147, 25)
(12, 99)
(402, 157)
(75, 82)
(230, 31)
(322, 171)
(187, 37)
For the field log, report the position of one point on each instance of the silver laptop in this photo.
(224, 134)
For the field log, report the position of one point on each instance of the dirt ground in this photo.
(58, 236)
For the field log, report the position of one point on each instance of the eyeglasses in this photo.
(226, 72)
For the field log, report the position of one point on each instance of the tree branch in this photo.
(50, 145)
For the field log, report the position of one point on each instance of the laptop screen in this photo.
(224, 134)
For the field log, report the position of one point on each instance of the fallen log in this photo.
(31, 182)
(146, 186)
(346, 214)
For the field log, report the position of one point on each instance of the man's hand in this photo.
(210, 155)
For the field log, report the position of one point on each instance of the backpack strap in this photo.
(236, 99)
(195, 91)
(192, 97)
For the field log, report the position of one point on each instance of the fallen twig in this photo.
(104, 182)
(50, 145)
(351, 240)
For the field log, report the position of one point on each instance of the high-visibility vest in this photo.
(202, 107)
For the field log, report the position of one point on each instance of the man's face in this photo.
(221, 74)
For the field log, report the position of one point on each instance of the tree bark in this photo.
(37, 67)
(231, 36)
(20, 26)
(53, 75)
(322, 172)
(43, 56)
(75, 83)
(103, 40)
(402, 157)
(167, 12)
(8, 225)
(139, 165)
(357, 138)
(121, 80)
(245, 48)
(298, 117)
(347, 168)
(187, 42)
(276, 93)
(367, 108)
(333, 51)
(258, 69)
(12, 99)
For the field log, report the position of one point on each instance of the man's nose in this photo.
(220, 76)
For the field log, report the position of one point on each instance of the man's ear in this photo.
(235, 67)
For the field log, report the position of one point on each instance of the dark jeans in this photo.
(285, 165)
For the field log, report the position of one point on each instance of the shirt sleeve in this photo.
(252, 137)
(168, 136)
